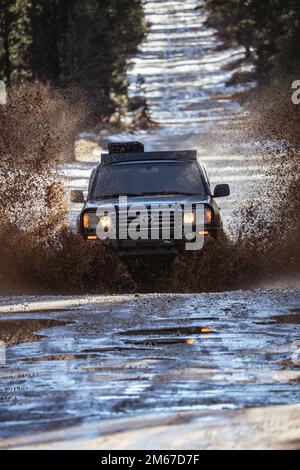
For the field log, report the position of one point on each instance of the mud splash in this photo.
(37, 250)
(40, 253)
(264, 242)
(37, 130)
(61, 263)
(271, 111)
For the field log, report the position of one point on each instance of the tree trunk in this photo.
(248, 52)
(5, 39)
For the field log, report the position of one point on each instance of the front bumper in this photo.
(147, 247)
(142, 247)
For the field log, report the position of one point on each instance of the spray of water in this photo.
(39, 253)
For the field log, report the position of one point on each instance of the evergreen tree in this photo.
(102, 35)
(15, 40)
(269, 31)
(82, 42)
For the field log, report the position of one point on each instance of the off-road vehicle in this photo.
(128, 176)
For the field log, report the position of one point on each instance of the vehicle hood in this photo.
(148, 200)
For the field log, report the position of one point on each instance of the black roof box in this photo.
(125, 147)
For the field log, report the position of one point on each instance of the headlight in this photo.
(90, 220)
(189, 218)
(105, 221)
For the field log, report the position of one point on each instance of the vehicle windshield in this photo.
(138, 179)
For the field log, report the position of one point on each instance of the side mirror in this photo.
(222, 190)
(76, 195)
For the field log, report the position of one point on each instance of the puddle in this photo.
(112, 349)
(162, 341)
(290, 364)
(177, 335)
(13, 332)
(295, 319)
(179, 319)
(180, 331)
(296, 381)
(117, 361)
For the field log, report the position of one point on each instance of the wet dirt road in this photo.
(82, 361)
(126, 356)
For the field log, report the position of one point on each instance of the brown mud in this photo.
(39, 253)
(272, 113)
(13, 332)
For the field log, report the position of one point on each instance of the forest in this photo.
(79, 43)
(268, 30)
(269, 33)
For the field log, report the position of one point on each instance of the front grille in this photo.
(161, 223)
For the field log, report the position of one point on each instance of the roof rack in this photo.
(125, 147)
(180, 155)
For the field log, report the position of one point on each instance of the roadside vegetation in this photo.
(269, 31)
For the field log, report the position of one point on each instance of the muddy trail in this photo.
(185, 82)
(120, 357)
(71, 360)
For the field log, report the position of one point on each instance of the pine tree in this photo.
(66, 42)
(269, 31)
(102, 35)
(5, 53)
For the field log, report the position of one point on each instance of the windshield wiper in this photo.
(150, 193)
